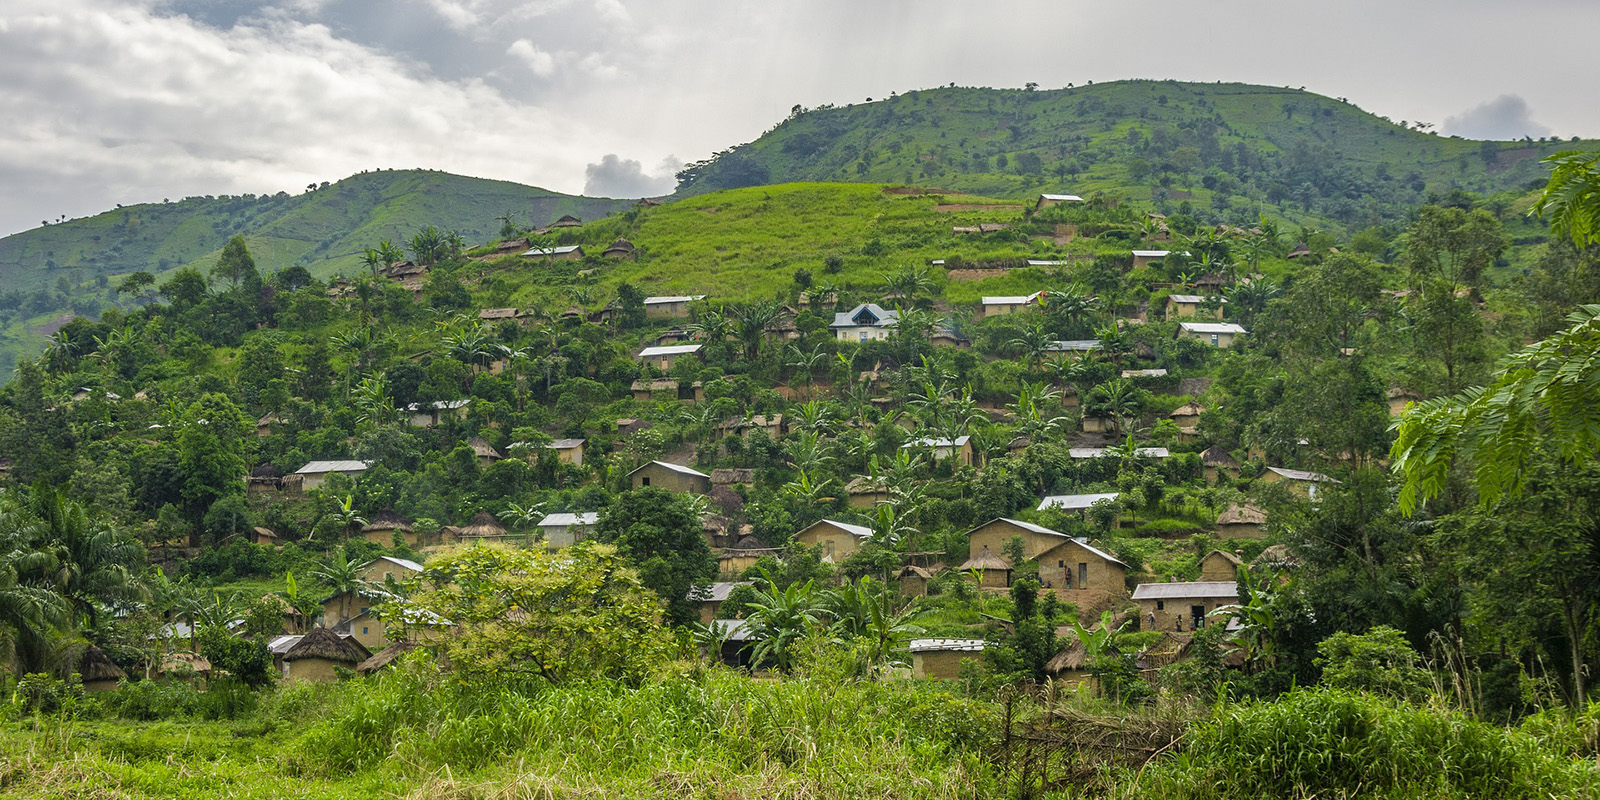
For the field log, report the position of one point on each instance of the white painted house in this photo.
(863, 323)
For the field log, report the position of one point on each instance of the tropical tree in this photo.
(1545, 395)
(1033, 343)
(1118, 399)
(90, 561)
(1571, 199)
(778, 619)
(346, 516)
(342, 575)
(874, 612)
(522, 517)
(751, 321)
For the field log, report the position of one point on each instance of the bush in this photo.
(152, 700)
(1336, 743)
(1378, 661)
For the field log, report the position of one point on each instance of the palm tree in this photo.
(1246, 299)
(390, 253)
(1071, 309)
(91, 560)
(1118, 399)
(807, 363)
(370, 258)
(711, 326)
(1113, 342)
(1032, 343)
(871, 611)
(522, 517)
(346, 515)
(373, 405)
(779, 619)
(750, 322)
(813, 416)
(909, 283)
(342, 574)
(699, 419)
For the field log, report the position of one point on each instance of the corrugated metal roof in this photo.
(677, 298)
(858, 531)
(1011, 300)
(1194, 298)
(670, 350)
(319, 467)
(944, 645)
(1074, 345)
(678, 468)
(1302, 475)
(1181, 591)
(551, 251)
(1152, 253)
(1062, 198)
(404, 562)
(1074, 502)
(564, 519)
(1097, 452)
(846, 319)
(565, 444)
(1212, 327)
(932, 442)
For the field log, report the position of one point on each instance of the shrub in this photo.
(1378, 661)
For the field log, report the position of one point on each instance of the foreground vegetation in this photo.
(709, 732)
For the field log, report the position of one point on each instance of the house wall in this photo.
(369, 631)
(666, 310)
(943, 665)
(1079, 576)
(861, 334)
(1098, 424)
(732, 566)
(672, 481)
(558, 536)
(380, 570)
(99, 686)
(913, 586)
(337, 608)
(867, 499)
(996, 533)
(311, 480)
(1185, 420)
(836, 543)
(1241, 530)
(1216, 568)
(312, 670)
(1213, 339)
(1170, 611)
(386, 537)
(571, 455)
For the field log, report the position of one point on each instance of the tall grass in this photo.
(709, 729)
(1330, 743)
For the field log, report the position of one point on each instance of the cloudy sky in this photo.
(124, 101)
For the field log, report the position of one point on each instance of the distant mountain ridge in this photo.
(324, 230)
(1238, 149)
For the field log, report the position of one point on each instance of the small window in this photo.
(363, 631)
(1061, 563)
(1214, 340)
(644, 480)
(1161, 605)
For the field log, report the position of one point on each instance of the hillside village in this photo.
(1141, 457)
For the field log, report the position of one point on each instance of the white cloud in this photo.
(543, 64)
(127, 107)
(1505, 117)
(615, 176)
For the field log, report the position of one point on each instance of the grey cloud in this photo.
(615, 176)
(1505, 117)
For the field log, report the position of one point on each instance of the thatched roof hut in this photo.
(387, 520)
(1277, 556)
(183, 664)
(385, 657)
(98, 671)
(482, 449)
(1216, 457)
(1242, 514)
(985, 560)
(483, 524)
(1072, 659)
(319, 653)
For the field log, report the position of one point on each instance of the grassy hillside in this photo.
(1233, 149)
(324, 230)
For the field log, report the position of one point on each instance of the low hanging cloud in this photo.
(1505, 117)
(616, 176)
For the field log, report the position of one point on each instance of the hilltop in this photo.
(323, 230)
(1234, 151)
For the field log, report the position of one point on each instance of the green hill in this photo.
(323, 230)
(1234, 150)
